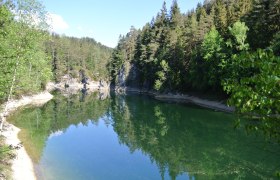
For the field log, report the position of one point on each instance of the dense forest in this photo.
(199, 49)
(30, 56)
(78, 57)
(228, 47)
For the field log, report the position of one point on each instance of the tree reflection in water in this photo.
(180, 139)
(191, 140)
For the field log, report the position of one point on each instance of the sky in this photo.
(105, 20)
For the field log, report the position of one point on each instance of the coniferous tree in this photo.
(220, 18)
(263, 22)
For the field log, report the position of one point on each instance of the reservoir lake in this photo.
(89, 136)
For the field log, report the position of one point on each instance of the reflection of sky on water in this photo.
(54, 134)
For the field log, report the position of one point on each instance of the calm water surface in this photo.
(136, 137)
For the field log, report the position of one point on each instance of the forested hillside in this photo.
(223, 47)
(78, 57)
(30, 56)
(195, 50)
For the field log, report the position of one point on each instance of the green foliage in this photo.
(24, 64)
(252, 80)
(212, 46)
(254, 83)
(5, 63)
(213, 52)
(254, 86)
(162, 75)
(6, 155)
(239, 31)
(275, 44)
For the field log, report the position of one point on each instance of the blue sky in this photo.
(105, 20)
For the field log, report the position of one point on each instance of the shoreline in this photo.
(183, 98)
(22, 165)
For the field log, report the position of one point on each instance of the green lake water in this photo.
(137, 137)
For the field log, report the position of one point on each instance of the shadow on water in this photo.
(181, 140)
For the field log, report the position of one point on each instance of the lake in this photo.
(137, 137)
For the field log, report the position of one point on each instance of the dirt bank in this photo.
(198, 101)
(184, 98)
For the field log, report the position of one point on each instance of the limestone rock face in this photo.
(128, 76)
